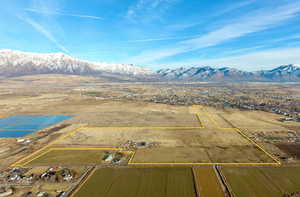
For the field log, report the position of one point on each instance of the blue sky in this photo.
(249, 34)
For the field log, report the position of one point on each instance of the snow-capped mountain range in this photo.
(289, 72)
(16, 63)
(204, 73)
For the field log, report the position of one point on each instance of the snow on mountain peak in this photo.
(17, 61)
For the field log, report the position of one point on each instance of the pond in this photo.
(20, 126)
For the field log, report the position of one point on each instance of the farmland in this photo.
(262, 181)
(151, 135)
(67, 157)
(205, 143)
(207, 182)
(211, 142)
(146, 182)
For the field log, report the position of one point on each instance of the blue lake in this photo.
(20, 126)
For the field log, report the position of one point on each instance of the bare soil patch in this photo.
(292, 149)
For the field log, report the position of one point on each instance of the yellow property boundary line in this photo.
(239, 131)
(277, 161)
(75, 149)
(128, 127)
(17, 163)
(36, 154)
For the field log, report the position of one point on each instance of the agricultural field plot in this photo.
(215, 117)
(207, 182)
(254, 120)
(262, 181)
(125, 113)
(146, 182)
(70, 156)
(205, 156)
(250, 121)
(174, 145)
(163, 137)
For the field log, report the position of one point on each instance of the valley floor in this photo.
(127, 138)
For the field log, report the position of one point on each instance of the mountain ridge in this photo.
(15, 63)
(290, 72)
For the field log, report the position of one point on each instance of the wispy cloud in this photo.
(148, 10)
(163, 39)
(252, 22)
(220, 12)
(42, 30)
(150, 56)
(292, 37)
(244, 50)
(62, 14)
(234, 6)
(179, 27)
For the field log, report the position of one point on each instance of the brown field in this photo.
(291, 149)
(254, 120)
(116, 113)
(207, 182)
(262, 181)
(210, 144)
(69, 157)
(211, 155)
(217, 116)
(163, 137)
(171, 145)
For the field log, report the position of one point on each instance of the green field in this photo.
(208, 182)
(70, 157)
(139, 182)
(262, 181)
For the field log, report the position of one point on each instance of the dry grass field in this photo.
(210, 144)
(215, 117)
(211, 155)
(71, 157)
(254, 120)
(163, 137)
